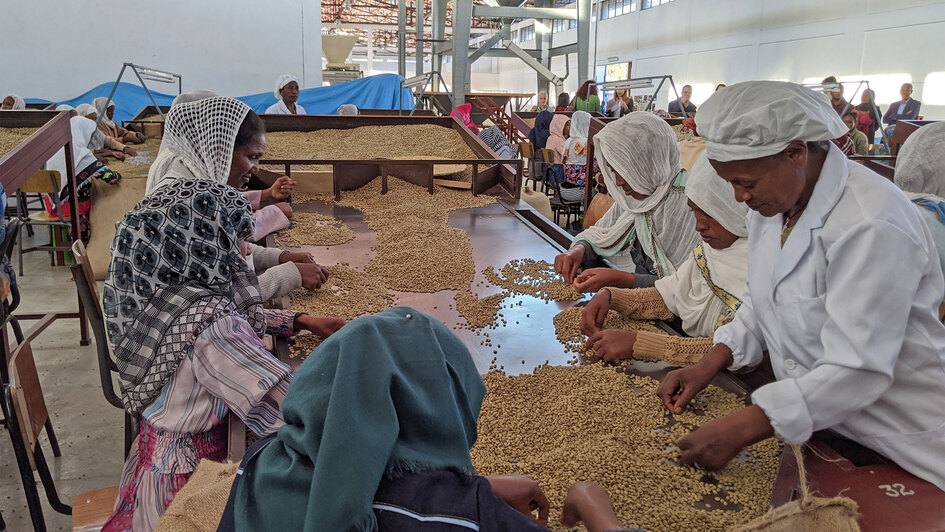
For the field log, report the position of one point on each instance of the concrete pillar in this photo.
(418, 58)
(462, 24)
(370, 52)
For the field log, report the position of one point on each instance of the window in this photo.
(615, 8)
(647, 4)
(560, 25)
(526, 34)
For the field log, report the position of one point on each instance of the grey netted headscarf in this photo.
(920, 165)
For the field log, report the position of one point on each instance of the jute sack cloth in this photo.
(199, 505)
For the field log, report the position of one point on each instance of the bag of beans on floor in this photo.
(538, 201)
(809, 513)
(198, 506)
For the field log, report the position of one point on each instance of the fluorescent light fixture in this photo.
(416, 81)
(492, 3)
(156, 75)
(613, 59)
(541, 28)
(627, 84)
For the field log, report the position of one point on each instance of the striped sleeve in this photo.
(232, 363)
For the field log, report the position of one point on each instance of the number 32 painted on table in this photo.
(896, 490)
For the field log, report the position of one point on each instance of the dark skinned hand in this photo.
(595, 312)
(681, 385)
(568, 263)
(713, 445)
(313, 275)
(281, 188)
(523, 494)
(297, 257)
(321, 327)
(613, 344)
(596, 279)
(591, 504)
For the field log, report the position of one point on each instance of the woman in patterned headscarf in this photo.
(184, 316)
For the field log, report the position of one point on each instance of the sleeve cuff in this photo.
(254, 197)
(649, 345)
(621, 300)
(263, 257)
(786, 408)
(745, 352)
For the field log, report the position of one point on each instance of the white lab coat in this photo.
(280, 108)
(848, 311)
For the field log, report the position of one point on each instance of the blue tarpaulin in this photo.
(373, 92)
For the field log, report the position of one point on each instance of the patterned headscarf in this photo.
(176, 267)
(494, 138)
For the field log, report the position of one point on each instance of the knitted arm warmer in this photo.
(639, 303)
(279, 281)
(674, 350)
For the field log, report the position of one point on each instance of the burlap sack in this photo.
(199, 505)
(110, 203)
(538, 201)
(690, 150)
(595, 211)
(809, 513)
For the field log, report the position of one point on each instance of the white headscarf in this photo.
(642, 148)
(580, 129)
(282, 81)
(100, 108)
(85, 109)
(687, 293)
(920, 165)
(199, 138)
(165, 159)
(716, 197)
(18, 103)
(348, 109)
(760, 118)
(64, 107)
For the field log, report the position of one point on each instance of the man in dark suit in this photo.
(682, 105)
(907, 109)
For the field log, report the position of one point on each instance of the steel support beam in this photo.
(402, 37)
(438, 16)
(462, 21)
(418, 55)
(584, 40)
(564, 50)
(543, 39)
(524, 12)
(370, 51)
(487, 44)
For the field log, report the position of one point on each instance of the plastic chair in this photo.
(25, 408)
(559, 205)
(43, 182)
(85, 283)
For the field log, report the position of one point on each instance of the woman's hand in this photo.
(298, 257)
(313, 275)
(595, 312)
(681, 385)
(568, 263)
(596, 279)
(613, 344)
(129, 151)
(285, 208)
(117, 155)
(281, 188)
(591, 504)
(713, 445)
(523, 494)
(321, 327)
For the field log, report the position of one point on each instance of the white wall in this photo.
(56, 50)
(706, 42)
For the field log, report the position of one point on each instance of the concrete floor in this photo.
(89, 430)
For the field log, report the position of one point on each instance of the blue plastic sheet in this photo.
(374, 92)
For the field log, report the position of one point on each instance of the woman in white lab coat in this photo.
(287, 96)
(844, 285)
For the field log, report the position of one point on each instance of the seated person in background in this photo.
(920, 173)
(382, 449)
(464, 112)
(185, 323)
(348, 109)
(540, 132)
(906, 109)
(104, 147)
(86, 166)
(682, 105)
(110, 128)
(287, 92)
(495, 139)
(649, 230)
(704, 292)
(559, 130)
(620, 104)
(860, 143)
(542, 104)
(586, 98)
(868, 117)
(564, 103)
(719, 86)
(837, 101)
(12, 102)
(575, 158)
